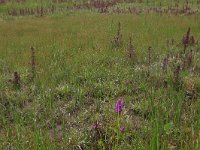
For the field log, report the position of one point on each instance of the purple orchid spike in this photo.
(122, 129)
(96, 126)
(119, 106)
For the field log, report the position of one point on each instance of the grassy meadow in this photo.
(64, 71)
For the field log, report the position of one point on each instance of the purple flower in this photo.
(119, 106)
(96, 126)
(122, 129)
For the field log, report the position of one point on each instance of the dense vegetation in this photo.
(116, 74)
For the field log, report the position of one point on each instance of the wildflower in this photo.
(122, 129)
(96, 126)
(119, 106)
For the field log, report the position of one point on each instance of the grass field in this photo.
(92, 77)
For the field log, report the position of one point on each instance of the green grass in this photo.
(79, 77)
